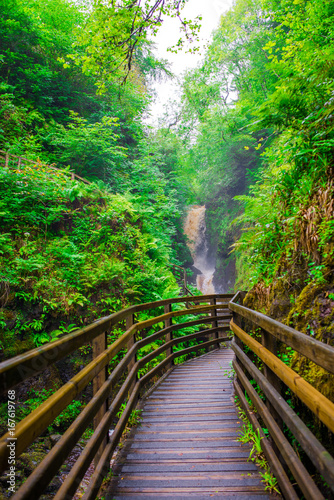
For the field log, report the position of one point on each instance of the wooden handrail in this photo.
(129, 368)
(181, 274)
(23, 366)
(316, 351)
(319, 404)
(38, 420)
(276, 467)
(276, 409)
(316, 452)
(43, 416)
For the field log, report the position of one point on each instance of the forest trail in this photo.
(186, 445)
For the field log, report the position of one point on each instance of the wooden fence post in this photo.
(270, 343)
(130, 322)
(214, 324)
(100, 345)
(237, 320)
(184, 282)
(169, 336)
(6, 160)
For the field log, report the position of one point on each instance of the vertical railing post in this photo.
(214, 324)
(169, 335)
(237, 320)
(184, 282)
(6, 160)
(270, 343)
(130, 322)
(100, 345)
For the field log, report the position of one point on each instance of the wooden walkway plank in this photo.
(186, 445)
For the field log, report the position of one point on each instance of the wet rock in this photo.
(54, 438)
(280, 308)
(54, 486)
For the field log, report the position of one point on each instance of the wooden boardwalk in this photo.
(186, 445)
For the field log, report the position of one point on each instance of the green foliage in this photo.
(93, 147)
(115, 30)
(218, 99)
(72, 256)
(34, 399)
(270, 481)
(286, 355)
(248, 435)
(71, 247)
(262, 103)
(49, 108)
(134, 418)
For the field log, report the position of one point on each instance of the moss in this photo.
(304, 308)
(313, 312)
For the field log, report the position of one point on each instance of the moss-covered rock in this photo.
(309, 308)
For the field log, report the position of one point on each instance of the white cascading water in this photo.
(195, 230)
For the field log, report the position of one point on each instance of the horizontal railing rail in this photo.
(318, 352)
(15, 370)
(121, 371)
(209, 315)
(276, 411)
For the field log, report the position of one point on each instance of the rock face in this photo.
(54, 438)
(307, 307)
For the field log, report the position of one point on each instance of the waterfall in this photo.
(195, 230)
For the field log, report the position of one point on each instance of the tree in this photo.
(114, 30)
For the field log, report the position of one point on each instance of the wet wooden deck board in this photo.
(186, 445)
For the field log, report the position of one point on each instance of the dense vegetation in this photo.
(261, 154)
(262, 102)
(72, 252)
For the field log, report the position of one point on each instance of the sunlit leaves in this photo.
(93, 147)
(114, 30)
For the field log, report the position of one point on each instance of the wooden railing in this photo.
(276, 411)
(180, 274)
(124, 382)
(19, 163)
(102, 409)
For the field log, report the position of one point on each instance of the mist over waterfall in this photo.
(195, 229)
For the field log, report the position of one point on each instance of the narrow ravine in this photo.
(195, 229)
